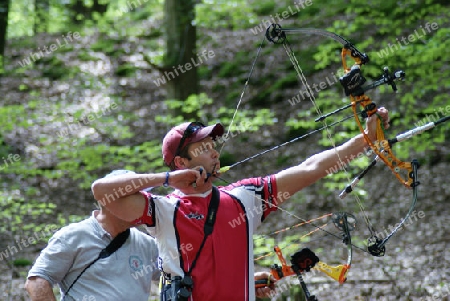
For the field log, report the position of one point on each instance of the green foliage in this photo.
(77, 157)
(193, 105)
(204, 72)
(20, 22)
(197, 107)
(263, 8)
(12, 116)
(226, 158)
(233, 14)
(234, 67)
(288, 81)
(420, 54)
(125, 18)
(87, 56)
(126, 70)
(229, 69)
(20, 217)
(262, 246)
(282, 160)
(22, 262)
(55, 68)
(21, 226)
(107, 46)
(122, 18)
(88, 162)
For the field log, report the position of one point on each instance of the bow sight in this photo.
(353, 82)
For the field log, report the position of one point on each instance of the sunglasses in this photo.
(188, 132)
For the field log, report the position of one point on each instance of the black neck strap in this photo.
(115, 244)
(209, 223)
(112, 247)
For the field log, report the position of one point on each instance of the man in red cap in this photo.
(204, 233)
(175, 142)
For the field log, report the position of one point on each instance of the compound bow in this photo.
(352, 82)
(406, 172)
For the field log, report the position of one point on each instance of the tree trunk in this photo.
(42, 10)
(181, 60)
(4, 10)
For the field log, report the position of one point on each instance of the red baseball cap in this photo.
(171, 142)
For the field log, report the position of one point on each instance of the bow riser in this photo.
(381, 146)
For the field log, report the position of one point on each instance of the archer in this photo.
(219, 266)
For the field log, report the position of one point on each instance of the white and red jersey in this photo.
(224, 269)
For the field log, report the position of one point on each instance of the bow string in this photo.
(355, 86)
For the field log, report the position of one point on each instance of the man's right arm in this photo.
(120, 194)
(39, 289)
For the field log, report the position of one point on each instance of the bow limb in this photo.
(301, 261)
(353, 82)
(351, 50)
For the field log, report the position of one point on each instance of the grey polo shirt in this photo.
(125, 275)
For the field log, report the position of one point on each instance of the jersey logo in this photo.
(195, 215)
(135, 263)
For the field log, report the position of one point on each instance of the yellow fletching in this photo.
(224, 169)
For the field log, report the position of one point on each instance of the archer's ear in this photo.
(179, 162)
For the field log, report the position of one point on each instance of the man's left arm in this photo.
(296, 178)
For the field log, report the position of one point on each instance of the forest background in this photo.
(90, 86)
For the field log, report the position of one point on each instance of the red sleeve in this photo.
(147, 217)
